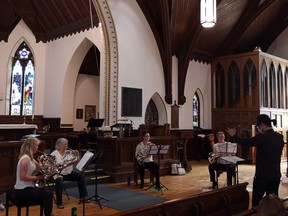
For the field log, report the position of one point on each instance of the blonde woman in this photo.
(26, 166)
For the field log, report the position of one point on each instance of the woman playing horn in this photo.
(145, 160)
(67, 159)
(24, 187)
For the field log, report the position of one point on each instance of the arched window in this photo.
(196, 111)
(151, 115)
(22, 82)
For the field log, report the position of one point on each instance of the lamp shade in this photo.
(208, 13)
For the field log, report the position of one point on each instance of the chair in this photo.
(10, 197)
(51, 185)
(219, 172)
(136, 173)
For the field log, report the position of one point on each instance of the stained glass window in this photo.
(22, 82)
(196, 114)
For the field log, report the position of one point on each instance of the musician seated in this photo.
(145, 160)
(216, 163)
(25, 180)
(67, 158)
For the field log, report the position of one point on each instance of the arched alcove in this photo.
(159, 106)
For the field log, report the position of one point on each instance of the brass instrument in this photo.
(49, 169)
(213, 156)
(70, 156)
(144, 154)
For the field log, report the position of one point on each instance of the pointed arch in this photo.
(265, 98)
(279, 88)
(21, 80)
(68, 90)
(156, 112)
(272, 86)
(219, 87)
(233, 85)
(198, 109)
(249, 83)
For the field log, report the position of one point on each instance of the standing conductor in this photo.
(269, 146)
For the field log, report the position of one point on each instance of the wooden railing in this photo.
(119, 155)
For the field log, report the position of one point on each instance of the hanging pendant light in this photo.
(208, 13)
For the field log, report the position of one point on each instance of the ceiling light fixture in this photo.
(208, 13)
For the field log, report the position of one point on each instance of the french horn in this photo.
(49, 169)
(70, 156)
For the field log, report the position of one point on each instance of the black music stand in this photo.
(95, 197)
(93, 124)
(159, 150)
(235, 161)
(82, 165)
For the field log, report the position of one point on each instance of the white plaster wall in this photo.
(64, 58)
(139, 60)
(8, 49)
(85, 86)
(280, 46)
(140, 66)
(198, 76)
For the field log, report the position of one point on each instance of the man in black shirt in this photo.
(268, 157)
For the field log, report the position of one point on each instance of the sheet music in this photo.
(164, 149)
(154, 149)
(87, 156)
(232, 159)
(226, 148)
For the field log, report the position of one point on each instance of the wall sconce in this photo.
(208, 13)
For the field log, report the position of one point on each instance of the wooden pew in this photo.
(221, 202)
(253, 211)
(9, 152)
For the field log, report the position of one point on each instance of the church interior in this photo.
(102, 73)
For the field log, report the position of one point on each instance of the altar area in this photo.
(13, 132)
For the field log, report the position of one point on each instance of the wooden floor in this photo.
(197, 181)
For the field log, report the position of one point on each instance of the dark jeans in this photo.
(73, 176)
(35, 195)
(153, 167)
(262, 186)
(229, 168)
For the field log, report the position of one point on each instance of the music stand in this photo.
(235, 161)
(159, 150)
(95, 158)
(94, 123)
